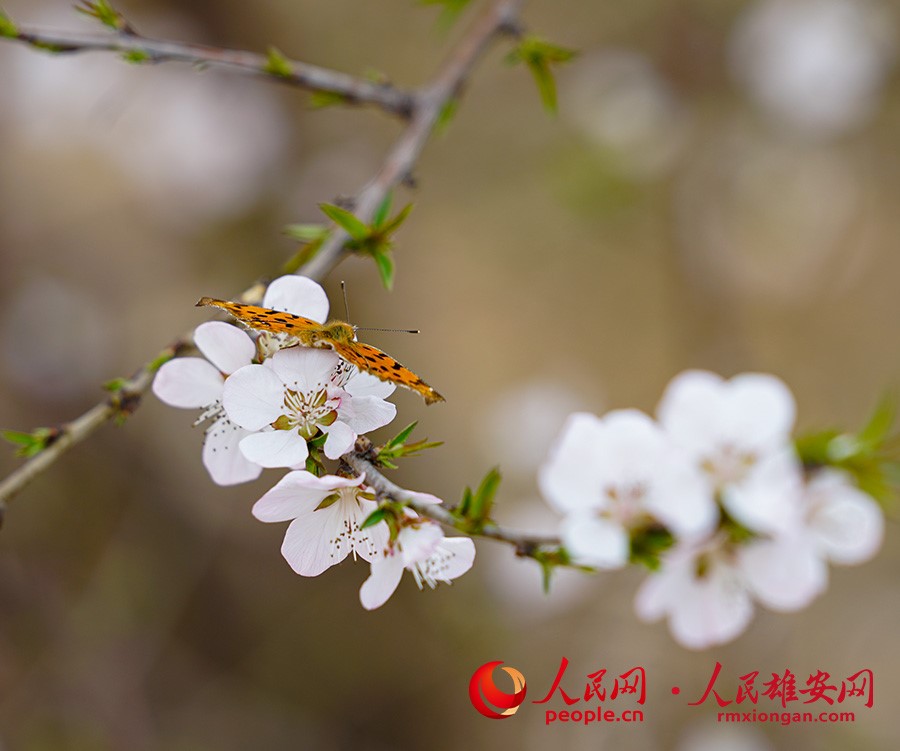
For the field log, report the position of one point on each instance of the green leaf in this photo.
(648, 543)
(483, 500)
(116, 384)
(30, 444)
(314, 466)
(397, 447)
(306, 232)
(302, 256)
(277, 64)
(161, 359)
(539, 55)
(384, 208)
(321, 99)
(451, 10)
(377, 516)
(346, 221)
(401, 437)
(446, 115)
(385, 265)
(135, 57)
(814, 448)
(880, 423)
(104, 13)
(7, 27)
(546, 85)
(394, 224)
(475, 508)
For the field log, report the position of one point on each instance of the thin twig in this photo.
(525, 544)
(350, 89)
(500, 17)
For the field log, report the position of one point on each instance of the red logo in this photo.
(488, 699)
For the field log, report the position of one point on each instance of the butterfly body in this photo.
(335, 335)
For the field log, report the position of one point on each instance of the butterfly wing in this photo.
(374, 361)
(265, 319)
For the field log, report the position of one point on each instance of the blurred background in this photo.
(719, 190)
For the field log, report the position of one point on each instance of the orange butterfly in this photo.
(335, 335)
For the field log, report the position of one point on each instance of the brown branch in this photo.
(526, 545)
(500, 17)
(350, 89)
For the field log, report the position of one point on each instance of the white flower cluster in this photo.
(265, 401)
(718, 471)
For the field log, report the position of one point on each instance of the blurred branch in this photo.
(530, 546)
(141, 49)
(501, 17)
(122, 402)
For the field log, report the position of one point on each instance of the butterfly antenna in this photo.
(393, 331)
(346, 304)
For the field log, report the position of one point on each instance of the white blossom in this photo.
(610, 475)
(422, 549)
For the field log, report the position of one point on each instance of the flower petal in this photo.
(681, 498)
(366, 413)
(848, 524)
(420, 542)
(712, 610)
(339, 441)
(253, 397)
(690, 410)
(453, 557)
(568, 479)
(297, 295)
(224, 345)
(382, 582)
(275, 448)
(322, 537)
(222, 457)
(188, 382)
(365, 384)
(304, 369)
(593, 541)
(764, 410)
(785, 573)
(770, 498)
(703, 413)
(297, 493)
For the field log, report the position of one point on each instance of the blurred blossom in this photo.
(759, 218)
(816, 66)
(195, 147)
(522, 422)
(622, 104)
(610, 475)
(58, 340)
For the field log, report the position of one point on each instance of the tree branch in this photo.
(500, 17)
(350, 89)
(526, 545)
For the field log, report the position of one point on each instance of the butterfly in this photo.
(334, 335)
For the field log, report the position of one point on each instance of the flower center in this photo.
(729, 465)
(626, 502)
(306, 411)
(349, 533)
(432, 570)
